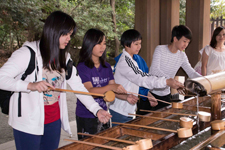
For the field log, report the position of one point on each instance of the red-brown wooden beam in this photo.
(147, 22)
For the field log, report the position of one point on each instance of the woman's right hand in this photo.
(132, 99)
(174, 83)
(103, 116)
(39, 86)
(152, 100)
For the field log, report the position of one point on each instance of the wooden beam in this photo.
(147, 18)
(198, 20)
(169, 17)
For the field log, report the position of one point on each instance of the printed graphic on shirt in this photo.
(56, 79)
(98, 82)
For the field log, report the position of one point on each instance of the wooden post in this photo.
(216, 106)
(147, 22)
(168, 19)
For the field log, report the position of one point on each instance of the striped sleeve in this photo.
(188, 69)
(135, 68)
(140, 78)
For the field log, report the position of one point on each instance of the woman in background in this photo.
(213, 55)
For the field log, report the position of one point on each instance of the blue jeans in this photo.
(48, 141)
(117, 117)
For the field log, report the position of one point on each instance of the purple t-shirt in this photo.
(99, 77)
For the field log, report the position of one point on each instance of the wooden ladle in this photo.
(174, 104)
(140, 145)
(108, 96)
(185, 122)
(108, 138)
(94, 144)
(204, 116)
(132, 147)
(143, 143)
(158, 118)
(182, 132)
(162, 112)
(218, 125)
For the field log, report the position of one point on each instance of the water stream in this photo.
(197, 104)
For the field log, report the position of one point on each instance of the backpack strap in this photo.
(28, 71)
(69, 69)
(31, 65)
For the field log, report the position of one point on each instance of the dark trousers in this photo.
(90, 126)
(146, 105)
(48, 141)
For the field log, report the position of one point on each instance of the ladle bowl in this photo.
(186, 122)
(217, 124)
(204, 116)
(109, 96)
(132, 147)
(184, 132)
(177, 105)
(145, 144)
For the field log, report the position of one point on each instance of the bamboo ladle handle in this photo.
(197, 106)
(182, 132)
(173, 120)
(142, 126)
(108, 138)
(78, 92)
(148, 97)
(108, 96)
(168, 113)
(94, 144)
(162, 100)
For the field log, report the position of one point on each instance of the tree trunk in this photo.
(11, 42)
(117, 42)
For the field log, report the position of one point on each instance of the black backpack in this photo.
(5, 95)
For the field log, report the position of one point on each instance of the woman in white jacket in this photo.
(43, 111)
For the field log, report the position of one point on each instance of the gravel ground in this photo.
(6, 132)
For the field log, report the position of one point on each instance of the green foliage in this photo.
(22, 20)
(217, 8)
(182, 12)
(19, 20)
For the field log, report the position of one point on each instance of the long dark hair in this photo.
(91, 38)
(57, 23)
(213, 41)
